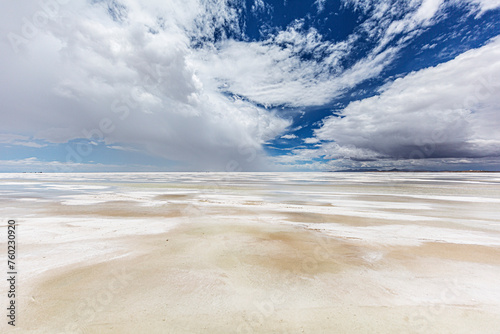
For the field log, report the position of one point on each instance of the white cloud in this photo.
(123, 148)
(320, 4)
(311, 140)
(289, 136)
(141, 77)
(446, 111)
(273, 72)
(135, 82)
(13, 139)
(485, 5)
(165, 78)
(259, 6)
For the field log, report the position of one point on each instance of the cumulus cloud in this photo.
(125, 73)
(180, 80)
(272, 72)
(449, 111)
(297, 67)
(156, 76)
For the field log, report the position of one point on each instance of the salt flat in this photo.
(256, 252)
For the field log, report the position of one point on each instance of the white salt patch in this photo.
(74, 187)
(143, 198)
(411, 235)
(355, 211)
(373, 257)
(78, 240)
(475, 199)
(88, 199)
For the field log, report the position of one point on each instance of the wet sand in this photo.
(256, 253)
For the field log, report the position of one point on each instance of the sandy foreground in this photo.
(254, 252)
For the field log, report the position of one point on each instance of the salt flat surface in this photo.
(365, 252)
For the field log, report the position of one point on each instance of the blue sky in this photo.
(222, 85)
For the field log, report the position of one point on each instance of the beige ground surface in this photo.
(258, 253)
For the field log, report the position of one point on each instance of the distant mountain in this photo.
(410, 171)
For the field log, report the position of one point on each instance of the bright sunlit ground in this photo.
(255, 252)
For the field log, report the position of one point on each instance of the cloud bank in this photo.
(132, 67)
(449, 111)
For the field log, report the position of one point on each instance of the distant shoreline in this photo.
(416, 171)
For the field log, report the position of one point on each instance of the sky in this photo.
(255, 85)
